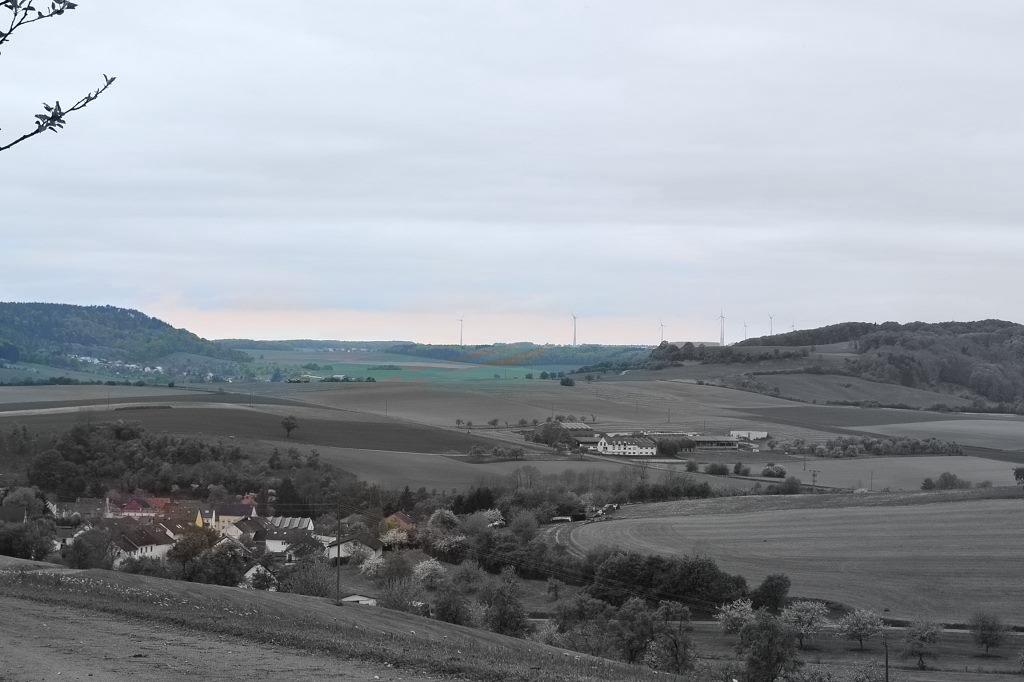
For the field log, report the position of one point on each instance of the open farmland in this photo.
(395, 469)
(911, 559)
(341, 429)
(830, 387)
(1000, 433)
(899, 473)
(616, 405)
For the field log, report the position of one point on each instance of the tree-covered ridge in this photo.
(985, 357)
(41, 331)
(854, 331)
(523, 354)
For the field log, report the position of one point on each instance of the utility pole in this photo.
(385, 408)
(814, 479)
(337, 560)
(871, 481)
(885, 643)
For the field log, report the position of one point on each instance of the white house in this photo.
(249, 575)
(627, 446)
(132, 540)
(345, 547)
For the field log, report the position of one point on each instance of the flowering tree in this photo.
(734, 615)
(806, 618)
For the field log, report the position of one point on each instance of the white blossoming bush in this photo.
(395, 537)
(734, 615)
(429, 573)
(372, 567)
(494, 516)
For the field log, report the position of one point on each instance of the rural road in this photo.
(41, 642)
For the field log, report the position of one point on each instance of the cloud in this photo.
(405, 165)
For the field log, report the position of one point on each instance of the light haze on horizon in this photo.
(376, 170)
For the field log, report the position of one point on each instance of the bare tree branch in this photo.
(24, 12)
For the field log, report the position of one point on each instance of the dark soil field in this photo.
(342, 430)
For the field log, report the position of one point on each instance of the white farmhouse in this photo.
(627, 446)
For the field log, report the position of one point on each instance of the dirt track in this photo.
(41, 642)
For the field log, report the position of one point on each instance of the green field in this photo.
(942, 560)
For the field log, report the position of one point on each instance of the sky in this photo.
(377, 169)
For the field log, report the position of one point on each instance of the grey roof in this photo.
(287, 522)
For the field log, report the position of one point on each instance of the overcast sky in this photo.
(376, 170)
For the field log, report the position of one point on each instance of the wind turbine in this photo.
(574, 329)
(744, 330)
(771, 325)
(721, 318)
(662, 324)
(460, 331)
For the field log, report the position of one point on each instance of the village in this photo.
(142, 527)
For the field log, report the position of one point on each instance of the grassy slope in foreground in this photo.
(308, 623)
(942, 556)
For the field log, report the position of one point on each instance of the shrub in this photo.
(429, 573)
(401, 594)
(567, 381)
(312, 577)
(774, 471)
(771, 593)
(691, 466)
(740, 470)
(717, 469)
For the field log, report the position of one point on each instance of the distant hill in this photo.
(49, 332)
(523, 354)
(986, 357)
(315, 345)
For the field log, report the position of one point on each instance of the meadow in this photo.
(898, 473)
(940, 557)
(999, 433)
(415, 645)
(831, 387)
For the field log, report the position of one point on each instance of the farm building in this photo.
(628, 446)
(359, 599)
(724, 442)
(749, 435)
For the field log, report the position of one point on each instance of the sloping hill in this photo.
(289, 624)
(44, 332)
(979, 364)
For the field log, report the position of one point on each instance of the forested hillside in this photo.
(985, 357)
(45, 332)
